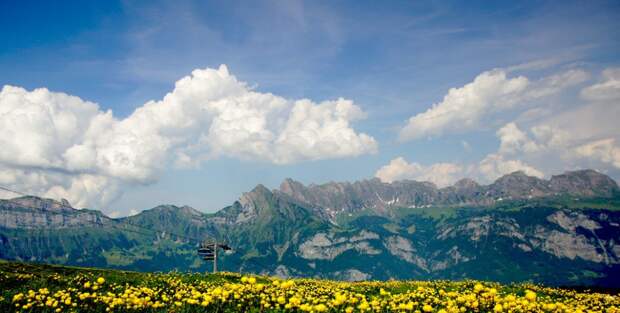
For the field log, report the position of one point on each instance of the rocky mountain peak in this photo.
(290, 185)
(586, 182)
(35, 212)
(342, 197)
(40, 203)
(260, 191)
(518, 185)
(517, 176)
(466, 184)
(65, 203)
(294, 189)
(174, 210)
(259, 197)
(190, 211)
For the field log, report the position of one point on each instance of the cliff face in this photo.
(32, 212)
(337, 198)
(585, 183)
(561, 231)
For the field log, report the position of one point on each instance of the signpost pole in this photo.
(215, 257)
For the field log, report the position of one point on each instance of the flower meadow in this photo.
(44, 288)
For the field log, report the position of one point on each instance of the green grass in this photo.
(21, 278)
(612, 204)
(16, 277)
(560, 202)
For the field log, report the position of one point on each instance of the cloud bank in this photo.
(581, 135)
(446, 174)
(490, 92)
(441, 174)
(61, 146)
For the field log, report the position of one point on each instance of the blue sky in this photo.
(393, 60)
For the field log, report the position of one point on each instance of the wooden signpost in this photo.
(208, 251)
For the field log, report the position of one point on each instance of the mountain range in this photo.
(560, 231)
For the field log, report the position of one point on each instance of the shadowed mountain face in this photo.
(562, 231)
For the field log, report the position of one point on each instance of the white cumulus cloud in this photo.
(441, 174)
(58, 145)
(513, 140)
(487, 170)
(544, 139)
(495, 165)
(583, 136)
(604, 150)
(489, 93)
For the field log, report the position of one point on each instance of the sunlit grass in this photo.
(44, 288)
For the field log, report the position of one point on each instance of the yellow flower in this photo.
(18, 297)
(478, 287)
(530, 295)
(363, 306)
(234, 292)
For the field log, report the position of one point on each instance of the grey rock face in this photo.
(403, 249)
(475, 229)
(572, 243)
(571, 220)
(585, 183)
(452, 257)
(372, 194)
(323, 246)
(251, 203)
(337, 198)
(32, 212)
(570, 246)
(518, 185)
(282, 272)
(566, 242)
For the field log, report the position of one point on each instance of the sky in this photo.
(122, 106)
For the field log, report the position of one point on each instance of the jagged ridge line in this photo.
(90, 222)
(135, 231)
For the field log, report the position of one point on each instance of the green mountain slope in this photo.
(562, 231)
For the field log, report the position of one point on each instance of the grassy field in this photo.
(47, 288)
